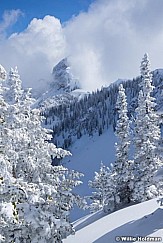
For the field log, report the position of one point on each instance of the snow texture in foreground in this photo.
(145, 219)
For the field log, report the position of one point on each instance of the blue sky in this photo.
(61, 9)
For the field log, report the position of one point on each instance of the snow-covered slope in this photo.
(84, 126)
(79, 113)
(141, 220)
(87, 154)
(83, 122)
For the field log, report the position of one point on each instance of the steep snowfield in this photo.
(145, 219)
(87, 154)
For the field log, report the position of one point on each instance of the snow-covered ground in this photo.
(87, 154)
(141, 220)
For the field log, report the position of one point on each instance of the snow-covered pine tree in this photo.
(13, 87)
(4, 166)
(104, 197)
(146, 137)
(123, 166)
(3, 73)
(8, 185)
(35, 197)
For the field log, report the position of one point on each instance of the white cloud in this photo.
(104, 44)
(9, 18)
(35, 51)
(118, 33)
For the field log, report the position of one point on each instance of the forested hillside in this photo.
(95, 112)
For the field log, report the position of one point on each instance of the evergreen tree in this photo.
(8, 186)
(35, 197)
(3, 73)
(146, 138)
(13, 87)
(123, 166)
(104, 197)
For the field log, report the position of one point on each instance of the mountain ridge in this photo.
(79, 112)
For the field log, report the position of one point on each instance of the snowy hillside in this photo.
(73, 114)
(87, 153)
(144, 219)
(84, 125)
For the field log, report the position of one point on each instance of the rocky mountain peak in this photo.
(63, 79)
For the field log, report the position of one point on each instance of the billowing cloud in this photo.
(35, 51)
(108, 41)
(104, 44)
